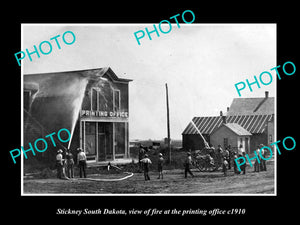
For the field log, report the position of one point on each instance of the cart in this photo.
(207, 160)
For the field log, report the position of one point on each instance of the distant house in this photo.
(252, 106)
(252, 117)
(232, 134)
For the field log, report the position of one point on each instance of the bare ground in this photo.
(173, 183)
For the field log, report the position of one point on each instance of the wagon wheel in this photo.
(216, 167)
(210, 168)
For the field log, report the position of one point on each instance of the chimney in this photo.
(223, 117)
(262, 102)
(266, 94)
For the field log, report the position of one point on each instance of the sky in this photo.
(199, 62)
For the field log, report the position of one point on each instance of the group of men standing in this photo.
(65, 165)
(144, 163)
(229, 156)
(260, 165)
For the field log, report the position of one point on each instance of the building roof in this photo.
(255, 124)
(30, 86)
(251, 106)
(91, 73)
(237, 129)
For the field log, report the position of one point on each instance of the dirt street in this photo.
(173, 183)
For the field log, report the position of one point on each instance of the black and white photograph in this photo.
(169, 114)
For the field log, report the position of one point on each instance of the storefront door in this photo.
(105, 141)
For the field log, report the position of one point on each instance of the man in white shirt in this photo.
(81, 161)
(59, 163)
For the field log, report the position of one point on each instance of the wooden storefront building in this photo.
(92, 104)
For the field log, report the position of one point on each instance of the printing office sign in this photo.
(90, 113)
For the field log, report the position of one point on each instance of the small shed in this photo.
(231, 134)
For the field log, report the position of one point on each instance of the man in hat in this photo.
(146, 162)
(187, 164)
(81, 162)
(263, 162)
(141, 155)
(160, 166)
(69, 164)
(226, 156)
(220, 156)
(59, 163)
(236, 171)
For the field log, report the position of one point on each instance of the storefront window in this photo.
(102, 102)
(94, 100)
(86, 104)
(116, 100)
(90, 138)
(120, 138)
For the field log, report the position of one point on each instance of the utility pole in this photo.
(168, 124)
